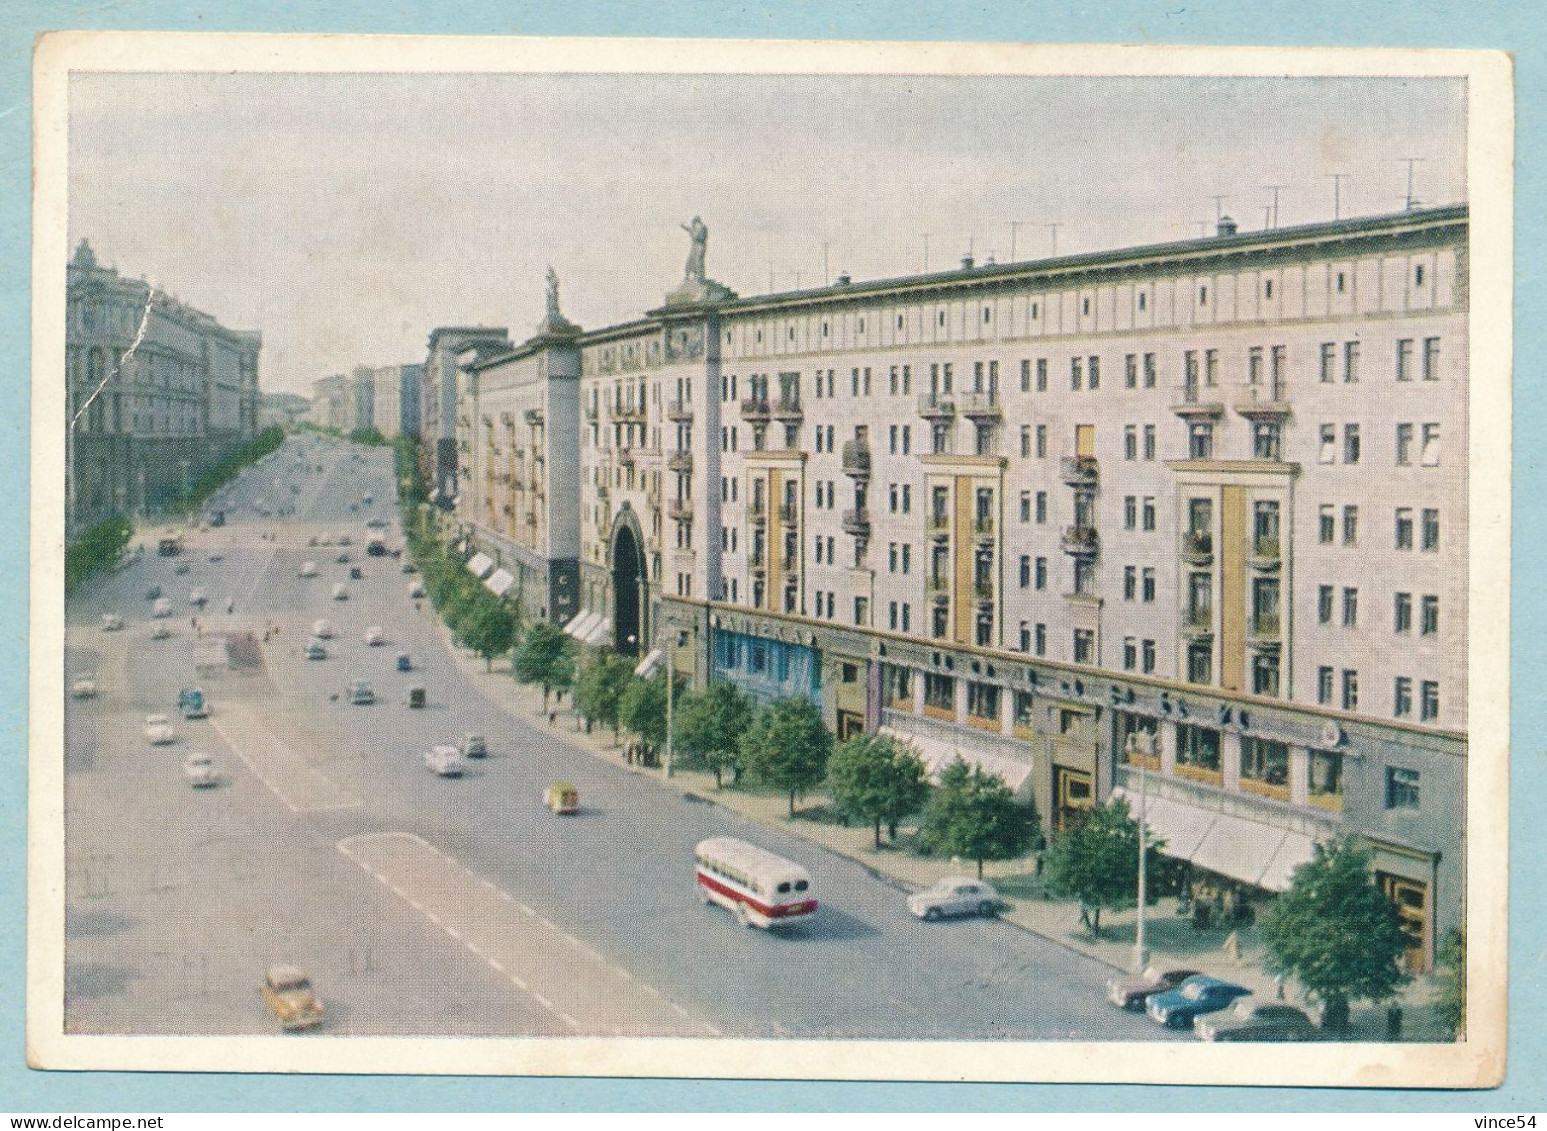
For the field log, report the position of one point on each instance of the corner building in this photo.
(1188, 519)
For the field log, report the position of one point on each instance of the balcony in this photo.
(680, 411)
(757, 511)
(789, 513)
(856, 459)
(629, 412)
(983, 528)
(1264, 552)
(1197, 547)
(653, 499)
(788, 409)
(939, 526)
(938, 588)
(1081, 541)
(591, 414)
(534, 417)
(1263, 400)
(1198, 401)
(680, 460)
(789, 565)
(755, 409)
(1264, 632)
(1197, 623)
(1080, 472)
(981, 406)
(937, 405)
(757, 562)
(857, 522)
(680, 510)
(983, 592)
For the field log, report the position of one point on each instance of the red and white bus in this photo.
(762, 889)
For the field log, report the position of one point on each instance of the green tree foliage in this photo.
(1097, 861)
(369, 436)
(787, 747)
(544, 657)
(599, 688)
(875, 778)
(643, 710)
(99, 547)
(1336, 932)
(974, 815)
(222, 471)
(711, 725)
(489, 630)
(1450, 977)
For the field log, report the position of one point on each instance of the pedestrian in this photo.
(553, 717)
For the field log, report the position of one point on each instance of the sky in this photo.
(346, 216)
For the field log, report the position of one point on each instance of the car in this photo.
(376, 523)
(343, 559)
(308, 569)
(474, 746)
(562, 798)
(287, 991)
(112, 622)
(360, 693)
(312, 541)
(217, 556)
(161, 607)
(181, 568)
(404, 664)
(316, 650)
(153, 593)
(340, 593)
(356, 573)
(954, 895)
(368, 500)
(375, 637)
(199, 769)
(158, 731)
(1200, 994)
(1257, 1021)
(416, 591)
(160, 632)
(192, 704)
(345, 540)
(409, 567)
(322, 629)
(1133, 991)
(444, 761)
(83, 687)
(198, 598)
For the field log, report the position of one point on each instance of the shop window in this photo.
(1265, 768)
(1197, 753)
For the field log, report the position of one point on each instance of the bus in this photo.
(763, 890)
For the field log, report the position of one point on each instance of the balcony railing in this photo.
(983, 526)
(1266, 548)
(856, 522)
(757, 561)
(789, 564)
(980, 405)
(1079, 471)
(591, 413)
(653, 499)
(938, 586)
(1198, 400)
(1266, 626)
(534, 416)
(1197, 547)
(789, 513)
(679, 411)
(983, 591)
(680, 460)
(1197, 621)
(757, 511)
(787, 408)
(937, 405)
(1081, 541)
(856, 459)
(626, 457)
(627, 412)
(939, 525)
(1268, 398)
(755, 408)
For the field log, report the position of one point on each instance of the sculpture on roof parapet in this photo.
(697, 287)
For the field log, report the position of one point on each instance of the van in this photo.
(562, 798)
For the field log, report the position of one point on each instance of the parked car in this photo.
(954, 895)
(158, 731)
(343, 558)
(562, 798)
(199, 769)
(217, 556)
(1257, 1021)
(112, 622)
(340, 593)
(444, 761)
(322, 629)
(308, 569)
(375, 637)
(360, 693)
(474, 746)
(1200, 994)
(191, 703)
(161, 607)
(181, 568)
(316, 650)
(1133, 991)
(287, 991)
(404, 664)
(83, 687)
(376, 523)
(345, 540)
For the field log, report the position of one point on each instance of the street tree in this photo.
(875, 778)
(711, 726)
(1336, 932)
(787, 747)
(643, 709)
(974, 815)
(489, 630)
(1097, 862)
(600, 686)
(1450, 980)
(544, 657)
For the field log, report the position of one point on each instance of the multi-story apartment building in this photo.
(1186, 519)
(519, 465)
(360, 401)
(396, 411)
(330, 402)
(438, 401)
(157, 391)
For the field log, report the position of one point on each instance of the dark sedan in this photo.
(1133, 991)
(1198, 995)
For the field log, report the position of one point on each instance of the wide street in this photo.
(422, 905)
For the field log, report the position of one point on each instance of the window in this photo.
(1041, 573)
(1254, 359)
(1211, 368)
(1130, 654)
(1149, 513)
(1042, 508)
(1130, 512)
(1429, 701)
(1404, 528)
(1130, 582)
(1040, 643)
(1076, 373)
(1429, 616)
(1350, 690)
(1405, 359)
(1200, 440)
(983, 701)
(1401, 788)
(1025, 383)
(1149, 441)
(1328, 361)
(1327, 521)
(1431, 446)
(1147, 584)
(939, 692)
(1350, 526)
(1084, 577)
(1350, 362)
(907, 498)
(1149, 360)
(1131, 371)
(1350, 443)
(907, 557)
(1025, 506)
(1324, 786)
(1025, 571)
(1350, 607)
(1402, 697)
(1084, 646)
(1025, 640)
(1431, 359)
(1404, 445)
(1324, 598)
(1093, 369)
(1025, 441)
(1200, 662)
(1329, 443)
(1149, 655)
(1197, 750)
(1431, 529)
(1041, 374)
(1402, 613)
(1131, 442)
(1266, 440)
(907, 438)
(1266, 763)
(1324, 685)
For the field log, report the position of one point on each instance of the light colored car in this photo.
(160, 632)
(308, 569)
(287, 991)
(360, 693)
(444, 761)
(375, 637)
(416, 591)
(322, 629)
(158, 730)
(199, 769)
(1134, 990)
(162, 607)
(84, 687)
(474, 746)
(340, 592)
(198, 598)
(345, 540)
(315, 650)
(112, 622)
(954, 895)
(1250, 1020)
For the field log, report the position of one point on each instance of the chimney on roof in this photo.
(1226, 226)
(966, 263)
(843, 279)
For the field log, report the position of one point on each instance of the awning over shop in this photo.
(479, 565)
(581, 624)
(1253, 852)
(500, 582)
(650, 664)
(939, 754)
(599, 633)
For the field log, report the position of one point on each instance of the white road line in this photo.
(246, 761)
(540, 1000)
(497, 964)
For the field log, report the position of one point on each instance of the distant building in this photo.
(397, 400)
(157, 391)
(329, 409)
(360, 403)
(438, 400)
(283, 409)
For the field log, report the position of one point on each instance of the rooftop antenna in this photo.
(1219, 199)
(1337, 195)
(1411, 202)
(1274, 189)
(926, 251)
(1014, 224)
(1054, 229)
(770, 277)
(826, 280)
(1267, 217)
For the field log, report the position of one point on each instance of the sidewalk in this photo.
(1171, 940)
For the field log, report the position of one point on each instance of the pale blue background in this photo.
(1418, 23)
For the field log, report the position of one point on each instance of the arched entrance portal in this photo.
(628, 589)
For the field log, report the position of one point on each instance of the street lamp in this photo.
(675, 641)
(1140, 958)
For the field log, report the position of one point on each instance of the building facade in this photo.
(283, 409)
(438, 402)
(396, 410)
(360, 399)
(157, 392)
(1185, 520)
(330, 402)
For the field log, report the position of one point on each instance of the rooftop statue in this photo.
(700, 233)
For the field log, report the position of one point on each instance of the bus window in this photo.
(784, 888)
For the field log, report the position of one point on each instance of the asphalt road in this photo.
(443, 906)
